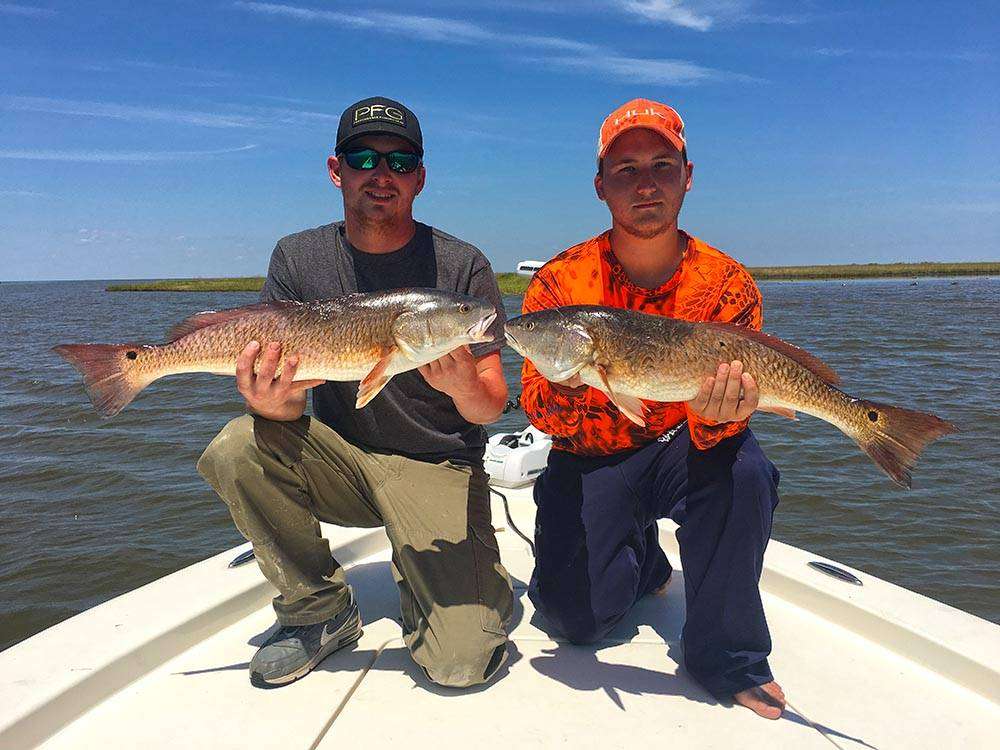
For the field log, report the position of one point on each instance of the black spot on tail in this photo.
(897, 441)
(103, 367)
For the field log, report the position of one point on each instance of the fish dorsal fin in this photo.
(213, 317)
(809, 361)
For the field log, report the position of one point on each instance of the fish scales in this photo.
(332, 344)
(665, 359)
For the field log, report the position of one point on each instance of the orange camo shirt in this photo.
(708, 285)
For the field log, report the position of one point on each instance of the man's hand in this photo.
(477, 386)
(730, 395)
(454, 374)
(281, 399)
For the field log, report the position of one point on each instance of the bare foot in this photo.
(767, 700)
(662, 588)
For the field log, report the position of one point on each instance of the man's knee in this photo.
(464, 665)
(570, 616)
(228, 449)
(582, 635)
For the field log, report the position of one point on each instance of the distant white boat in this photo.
(865, 664)
(528, 267)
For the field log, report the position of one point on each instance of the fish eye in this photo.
(529, 325)
(464, 307)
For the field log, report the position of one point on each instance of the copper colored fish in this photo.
(632, 356)
(365, 337)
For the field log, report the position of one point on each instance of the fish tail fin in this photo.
(896, 437)
(108, 373)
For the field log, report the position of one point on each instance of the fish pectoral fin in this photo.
(376, 378)
(781, 411)
(631, 406)
(406, 350)
(369, 390)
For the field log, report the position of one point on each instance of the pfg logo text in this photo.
(379, 112)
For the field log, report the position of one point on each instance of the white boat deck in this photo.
(165, 666)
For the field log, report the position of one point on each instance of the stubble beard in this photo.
(376, 222)
(652, 227)
(646, 230)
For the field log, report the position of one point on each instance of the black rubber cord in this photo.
(506, 509)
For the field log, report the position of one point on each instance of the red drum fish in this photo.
(364, 337)
(632, 356)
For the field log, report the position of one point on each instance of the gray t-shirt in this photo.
(408, 416)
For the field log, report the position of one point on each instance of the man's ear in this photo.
(690, 176)
(599, 186)
(333, 167)
(422, 177)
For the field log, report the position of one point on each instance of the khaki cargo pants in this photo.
(280, 478)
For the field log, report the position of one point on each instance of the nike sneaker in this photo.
(294, 650)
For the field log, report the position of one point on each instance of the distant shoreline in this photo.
(512, 283)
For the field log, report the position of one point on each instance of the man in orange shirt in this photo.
(608, 480)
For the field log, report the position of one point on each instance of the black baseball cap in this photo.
(380, 115)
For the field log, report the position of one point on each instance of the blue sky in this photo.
(143, 140)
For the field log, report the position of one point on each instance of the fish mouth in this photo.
(478, 330)
(513, 343)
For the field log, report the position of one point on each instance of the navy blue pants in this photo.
(597, 552)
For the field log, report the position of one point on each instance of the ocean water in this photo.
(92, 508)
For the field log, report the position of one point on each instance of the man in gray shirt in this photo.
(410, 461)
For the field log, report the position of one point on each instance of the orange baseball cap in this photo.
(641, 113)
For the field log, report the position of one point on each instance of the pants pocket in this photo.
(493, 585)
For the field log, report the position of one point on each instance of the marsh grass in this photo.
(512, 283)
(237, 284)
(874, 271)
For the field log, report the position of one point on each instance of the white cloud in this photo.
(238, 117)
(22, 194)
(26, 10)
(304, 14)
(889, 54)
(644, 70)
(285, 116)
(702, 15)
(87, 236)
(159, 67)
(122, 112)
(985, 207)
(116, 156)
(432, 29)
(288, 100)
(569, 54)
(427, 28)
(669, 11)
(150, 66)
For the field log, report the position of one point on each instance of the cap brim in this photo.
(378, 131)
